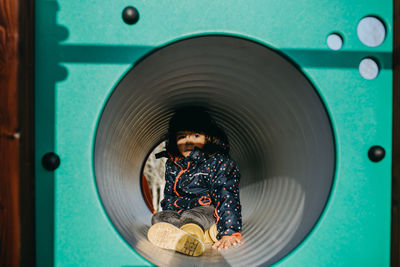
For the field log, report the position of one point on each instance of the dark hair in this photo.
(196, 119)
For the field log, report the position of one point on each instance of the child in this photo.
(201, 197)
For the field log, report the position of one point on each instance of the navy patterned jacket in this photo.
(200, 180)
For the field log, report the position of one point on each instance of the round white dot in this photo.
(368, 68)
(371, 31)
(334, 41)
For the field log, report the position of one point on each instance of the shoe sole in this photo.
(167, 236)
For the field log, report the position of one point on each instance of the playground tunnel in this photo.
(279, 130)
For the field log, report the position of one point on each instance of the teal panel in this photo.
(83, 49)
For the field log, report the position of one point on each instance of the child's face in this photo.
(187, 140)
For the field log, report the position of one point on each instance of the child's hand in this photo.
(226, 242)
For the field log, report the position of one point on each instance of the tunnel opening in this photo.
(277, 124)
(153, 178)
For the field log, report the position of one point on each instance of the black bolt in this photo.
(376, 153)
(130, 15)
(51, 161)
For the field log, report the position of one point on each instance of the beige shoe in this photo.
(194, 229)
(211, 234)
(167, 236)
(208, 237)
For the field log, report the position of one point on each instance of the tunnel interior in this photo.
(279, 130)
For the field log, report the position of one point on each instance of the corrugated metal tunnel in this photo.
(278, 127)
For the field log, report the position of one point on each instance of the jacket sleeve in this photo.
(225, 196)
(169, 197)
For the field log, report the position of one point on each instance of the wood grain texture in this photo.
(16, 133)
(395, 245)
(9, 135)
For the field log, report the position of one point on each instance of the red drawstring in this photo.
(215, 212)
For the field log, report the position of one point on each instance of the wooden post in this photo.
(10, 233)
(16, 133)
